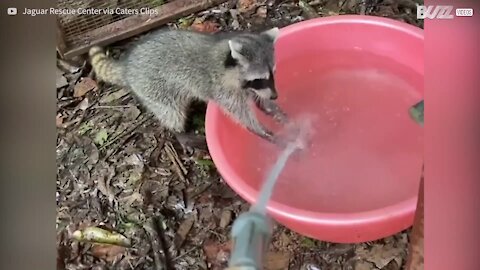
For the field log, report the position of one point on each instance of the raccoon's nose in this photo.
(274, 96)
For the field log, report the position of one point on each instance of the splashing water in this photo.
(301, 130)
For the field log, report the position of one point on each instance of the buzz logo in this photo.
(434, 12)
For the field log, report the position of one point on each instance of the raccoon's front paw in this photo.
(281, 117)
(270, 137)
(277, 140)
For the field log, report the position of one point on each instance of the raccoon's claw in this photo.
(275, 139)
(279, 141)
(273, 110)
(269, 136)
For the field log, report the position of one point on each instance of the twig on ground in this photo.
(200, 191)
(157, 250)
(177, 163)
(112, 106)
(125, 132)
(184, 254)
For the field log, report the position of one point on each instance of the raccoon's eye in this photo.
(256, 84)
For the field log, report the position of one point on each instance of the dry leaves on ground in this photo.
(381, 255)
(247, 6)
(183, 231)
(84, 86)
(277, 260)
(205, 27)
(107, 252)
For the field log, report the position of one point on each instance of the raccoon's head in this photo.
(253, 55)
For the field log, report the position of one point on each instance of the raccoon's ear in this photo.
(272, 33)
(235, 50)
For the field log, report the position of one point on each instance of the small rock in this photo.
(226, 218)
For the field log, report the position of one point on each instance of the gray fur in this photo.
(167, 69)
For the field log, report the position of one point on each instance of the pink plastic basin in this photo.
(355, 77)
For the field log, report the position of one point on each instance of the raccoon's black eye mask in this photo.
(259, 84)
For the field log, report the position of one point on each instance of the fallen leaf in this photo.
(183, 231)
(262, 12)
(101, 176)
(246, 6)
(107, 252)
(277, 260)
(114, 96)
(59, 120)
(61, 80)
(212, 248)
(308, 11)
(380, 255)
(131, 113)
(84, 86)
(392, 265)
(136, 160)
(333, 13)
(206, 27)
(99, 235)
(101, 137)
(129, 200)
(333, 5)
(83, 105)
(226, 218)
(363, 265)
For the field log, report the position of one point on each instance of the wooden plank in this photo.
(416, 250)
(137, 24)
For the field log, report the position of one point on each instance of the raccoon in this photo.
(167, 69)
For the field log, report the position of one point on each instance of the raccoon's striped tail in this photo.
(106, 69)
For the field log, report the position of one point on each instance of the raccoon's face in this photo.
(254, 56)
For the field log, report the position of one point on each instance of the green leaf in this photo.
(307, 242)
(185, 22)
(101, 137)
(205, 162)
(85, 127)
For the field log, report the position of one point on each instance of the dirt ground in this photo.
(119, 171)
